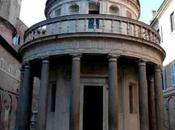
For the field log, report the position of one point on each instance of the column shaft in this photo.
(43, 95)
(159, 100)
(25, 100)
(75, 94)
(152, 107)
(17, 122)
(143, 97)
(113, 94)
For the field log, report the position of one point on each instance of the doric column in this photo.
(43, 95)
(19, 100)
(75, 94)
(113, 94)
(159, 99)
(152, 108)
(25, 99)
(143, 97)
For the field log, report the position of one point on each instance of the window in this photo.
(172, 22)
(93, 24)
(16, 40)
(94, 8)
(132, 98)
(173, 74)
(53, 97)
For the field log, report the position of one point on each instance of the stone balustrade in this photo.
(99, 25)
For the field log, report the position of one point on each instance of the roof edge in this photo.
(10, 49)
(160, 11)
(8, 24)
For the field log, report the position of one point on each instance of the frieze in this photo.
(93, 46)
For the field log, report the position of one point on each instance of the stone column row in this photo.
(75, 94)
(26, 87)
(25, 97)
(156, 115)
(113, 95)
(24, 104)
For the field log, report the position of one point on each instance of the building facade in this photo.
(164, 23)
(11, 31)
(9, 10)
(169, 94)
(9, 76)
(98, 68)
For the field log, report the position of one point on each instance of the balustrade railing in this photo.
(99, 24)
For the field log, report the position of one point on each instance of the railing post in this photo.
(67, 28)
(127, 28)
(60, 27)
(120, 27)
(103, 25)
(85, 25)
(134, 30)
(112, 26)
(76, 25)
(95, 25)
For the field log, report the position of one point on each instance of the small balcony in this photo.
(93, 25)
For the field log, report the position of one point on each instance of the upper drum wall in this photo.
(125, 8)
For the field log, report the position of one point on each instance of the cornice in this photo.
(8, 24)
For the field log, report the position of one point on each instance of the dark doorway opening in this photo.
(93, 108)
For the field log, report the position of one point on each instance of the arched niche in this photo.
(74, 8)
(113, 9)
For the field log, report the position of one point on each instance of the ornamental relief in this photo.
(10, 69)
(8, 106)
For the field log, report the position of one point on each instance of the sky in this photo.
(32, 11)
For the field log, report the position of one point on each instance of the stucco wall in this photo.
(168, 37)
(10, 9)
(9, 84)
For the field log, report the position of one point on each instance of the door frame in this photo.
(95, 81)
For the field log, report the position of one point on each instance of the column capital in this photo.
(141, 62)
(76, 56)
(151, 79)
(45, 59)
(157, 68)
(26, 65)
(113, 57)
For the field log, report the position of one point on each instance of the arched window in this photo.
(94, 8)
(74, 9)
(114, 10)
